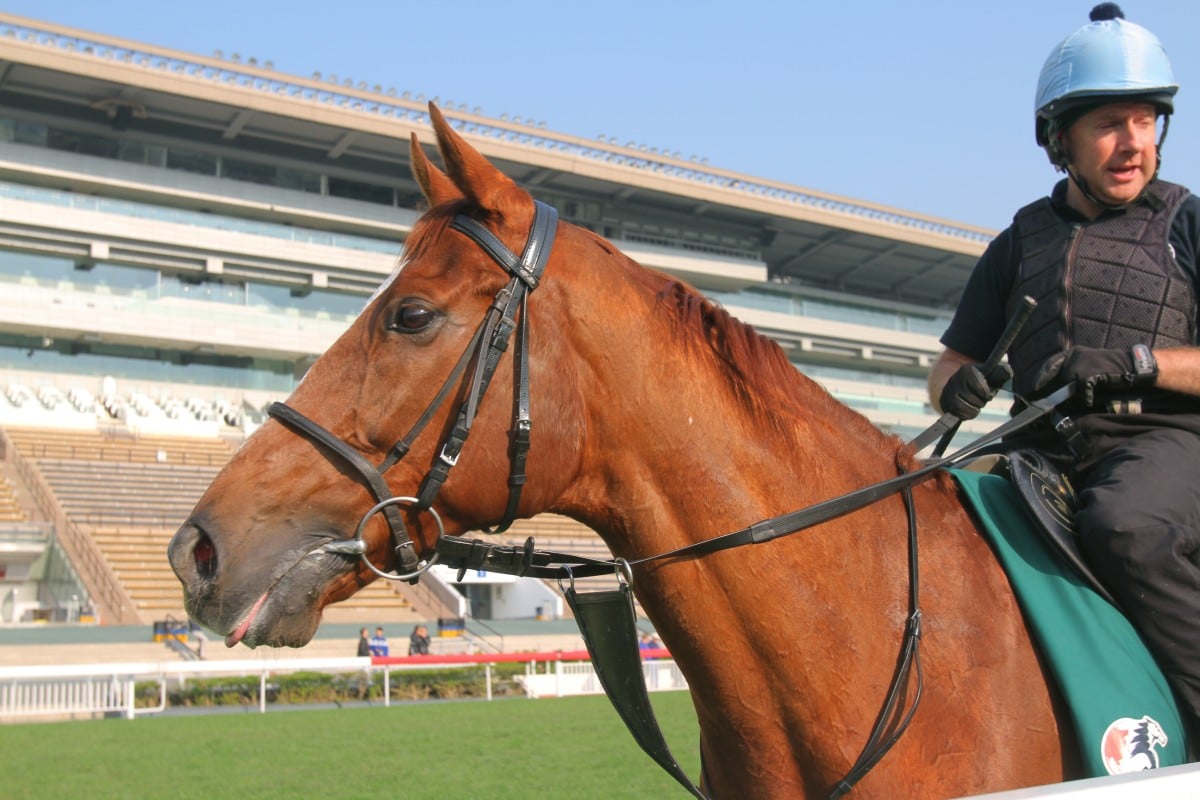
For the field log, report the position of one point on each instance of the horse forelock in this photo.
(424, 230)
(425, 233)
(428, 228)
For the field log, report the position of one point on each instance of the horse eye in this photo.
(412, 317)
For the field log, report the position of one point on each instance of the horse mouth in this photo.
(240, 631)
(288, 613)
(285, 611)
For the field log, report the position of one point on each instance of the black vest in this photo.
(1110, 283)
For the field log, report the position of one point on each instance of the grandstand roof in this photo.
(806, 237)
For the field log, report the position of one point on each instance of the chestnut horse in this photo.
(660, 421)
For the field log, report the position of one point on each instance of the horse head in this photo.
(259, 556)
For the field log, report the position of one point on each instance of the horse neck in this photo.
(708, 425)
(685, 444)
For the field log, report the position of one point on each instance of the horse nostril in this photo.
(205, 556)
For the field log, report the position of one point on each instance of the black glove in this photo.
(1090, 367)
(969, 389)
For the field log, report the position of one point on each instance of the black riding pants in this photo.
(1139, 526)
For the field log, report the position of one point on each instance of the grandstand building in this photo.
(181, 236)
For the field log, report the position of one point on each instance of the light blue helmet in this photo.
(1107, 60)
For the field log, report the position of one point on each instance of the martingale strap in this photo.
(606, 621)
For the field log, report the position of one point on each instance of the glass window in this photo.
(248, 171)
(357, 190)
(204, 288)
(298, 179)
(274, 296)
(29, 133)
(191, 161)
(85, 143)
(13, 264)
(128, 362)
(154, 155)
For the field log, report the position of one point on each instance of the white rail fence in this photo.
(110, 689)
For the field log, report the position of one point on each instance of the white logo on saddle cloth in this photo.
(1129, 745)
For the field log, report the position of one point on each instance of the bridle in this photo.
(482, 353)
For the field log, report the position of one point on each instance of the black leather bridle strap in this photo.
(532, 263)
(475, 554)
(492, 342)
(400, 449)
(522, 423)
(500, 323)
(486, 347)
(463, 553)
(796, 521)
(402, 545)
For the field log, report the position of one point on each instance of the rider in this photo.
(1112, 258)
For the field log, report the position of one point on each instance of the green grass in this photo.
(512, 749)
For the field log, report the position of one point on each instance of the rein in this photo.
(474, 554)
(606, 618)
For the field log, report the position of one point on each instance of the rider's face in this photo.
(1113, 149)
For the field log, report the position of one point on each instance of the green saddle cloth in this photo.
(1124, 712)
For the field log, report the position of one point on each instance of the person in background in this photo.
(364, 643)
(378, 643)
(1111, 258)
(418, 642)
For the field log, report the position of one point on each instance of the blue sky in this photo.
(925, 106)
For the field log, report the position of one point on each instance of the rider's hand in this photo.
(969, 389)
(1090, 367)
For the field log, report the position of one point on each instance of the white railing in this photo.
(91, 689)
(1169, 783)
(565, 678)
(75, 690)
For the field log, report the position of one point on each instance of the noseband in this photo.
(484, 351)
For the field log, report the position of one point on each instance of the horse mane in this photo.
(749, 356)
(759, 372)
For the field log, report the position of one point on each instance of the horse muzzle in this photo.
(276, 601)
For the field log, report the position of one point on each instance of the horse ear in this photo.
(434, 184)
(473, 174)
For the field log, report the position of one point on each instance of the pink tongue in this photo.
(240, 630)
